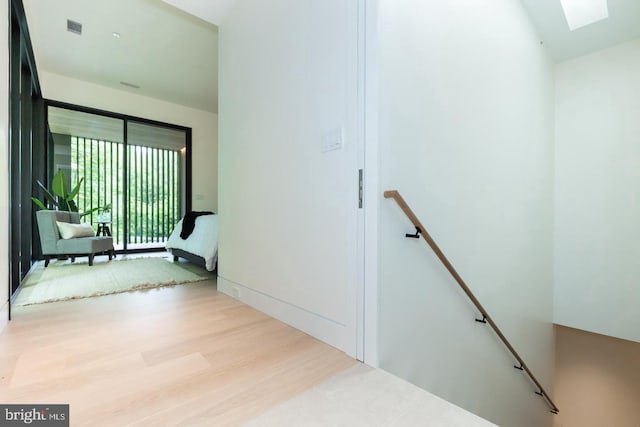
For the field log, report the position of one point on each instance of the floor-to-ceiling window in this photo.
(133, 173)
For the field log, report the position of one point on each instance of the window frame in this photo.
(126, 118)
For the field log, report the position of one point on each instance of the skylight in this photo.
(584, 12)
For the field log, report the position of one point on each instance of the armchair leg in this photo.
(175, 258)
(110, 255)
(47, 258)
(73, 259)
(91, 256)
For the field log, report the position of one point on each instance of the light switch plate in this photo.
(332, 140)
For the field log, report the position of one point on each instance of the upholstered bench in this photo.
(54, 245)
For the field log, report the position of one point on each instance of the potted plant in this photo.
(60, 197)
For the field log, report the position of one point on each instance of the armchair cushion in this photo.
(85, 245)
(71, 231)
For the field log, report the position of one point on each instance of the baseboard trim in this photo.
(326, 330)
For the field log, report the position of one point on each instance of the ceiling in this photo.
(622, 25)
(210, 10)
(172, 55)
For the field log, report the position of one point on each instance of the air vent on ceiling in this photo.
(74, 27)
(130, 85)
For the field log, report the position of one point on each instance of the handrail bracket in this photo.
(416, 235)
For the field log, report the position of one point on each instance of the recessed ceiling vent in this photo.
(130, 85)
(74, 27)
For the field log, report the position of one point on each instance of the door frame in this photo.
(367, 256)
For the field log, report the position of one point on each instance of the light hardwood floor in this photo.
(184, 355)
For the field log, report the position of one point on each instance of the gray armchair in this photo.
(54, 246)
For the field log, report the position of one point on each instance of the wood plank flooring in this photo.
(177, 356)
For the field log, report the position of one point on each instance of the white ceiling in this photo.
(622, 25)
(210, 10)
(173, 55)
(169, 53)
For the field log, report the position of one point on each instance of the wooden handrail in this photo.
(421, 230)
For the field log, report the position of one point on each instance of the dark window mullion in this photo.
(171, 189)
(146, 195)
(91, 172)
(135, 200)
(176, 190)
(156, 207)
(114, 231)
(154, 226)
(98, 143)
(105, 160)
(150, 194)
(164, 202)
(84, 173)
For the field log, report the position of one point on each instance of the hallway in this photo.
(190, 356)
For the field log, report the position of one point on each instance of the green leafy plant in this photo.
(61, 197)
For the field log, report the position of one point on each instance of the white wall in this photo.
(204, 125)
(288, 75)
(4, 163)
(466, 135)
(598, 192)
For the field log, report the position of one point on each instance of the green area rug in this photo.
(64, 281)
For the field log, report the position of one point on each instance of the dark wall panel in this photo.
(27, 148)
